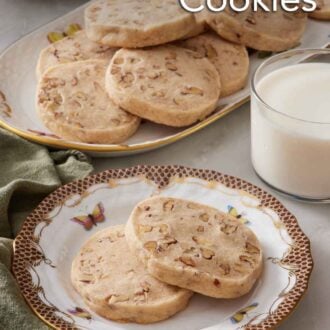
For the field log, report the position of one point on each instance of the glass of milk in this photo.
(290, 123)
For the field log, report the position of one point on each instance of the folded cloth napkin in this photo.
(28, 172)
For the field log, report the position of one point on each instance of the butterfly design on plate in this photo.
(233, 211)
(240, 315)
(79, 312)
(70, 31)
(90, 220)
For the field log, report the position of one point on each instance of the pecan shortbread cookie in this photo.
(322, 10)
(231, 60)
(194, 246)
(167, 85)
(268, 31)
(71, 49)
(115, 285)
(73, 103)
(136, 24)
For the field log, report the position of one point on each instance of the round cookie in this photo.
(231, 60)
(273, 31)
(136, 24)
(115, 285)
(71, 49)
(195, 246)
(322, 10)
(167, 85)
(73, 103)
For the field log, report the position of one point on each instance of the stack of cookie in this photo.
(153, 60)
(147, 271)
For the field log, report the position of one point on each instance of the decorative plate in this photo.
(48, 242)
(18, 85)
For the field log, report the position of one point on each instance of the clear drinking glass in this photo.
(290, 154)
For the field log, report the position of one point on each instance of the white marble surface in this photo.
(224, 146)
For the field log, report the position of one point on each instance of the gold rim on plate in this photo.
(26, 255)
(122, 147)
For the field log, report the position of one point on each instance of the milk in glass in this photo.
(291, 129)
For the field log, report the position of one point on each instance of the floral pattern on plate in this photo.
(48, 242)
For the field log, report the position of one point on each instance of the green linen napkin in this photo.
(28, 172)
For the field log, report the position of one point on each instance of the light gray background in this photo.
(223, 146)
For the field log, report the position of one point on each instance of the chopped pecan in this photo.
(210, 51)
(168, 206)
(246, 259)
(192, 91)
(187, 260)
(216, 282)
(225, 268)
(170, 66)
(118, 299)
(228, 229)
(118, 60)
(204, 217)
(145, 229)
(207, 253)
(163, 228)
(200, 229)
(151, 246)
(251, 248)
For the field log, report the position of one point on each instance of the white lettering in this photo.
(274, 5)
(311, 6)
(239, 9)
(259, 3)
(217, 6)
(191, 9)
(290, 9)
(223, 3)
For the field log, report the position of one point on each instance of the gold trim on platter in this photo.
(144, 146)
(121, 147)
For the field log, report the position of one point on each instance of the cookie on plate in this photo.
(167, 85)
(273, 31)
(115, 285)
(322, 10)
(73, 103)
(231, 60)
(71, 49)
(136, 24)
(194, 246)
